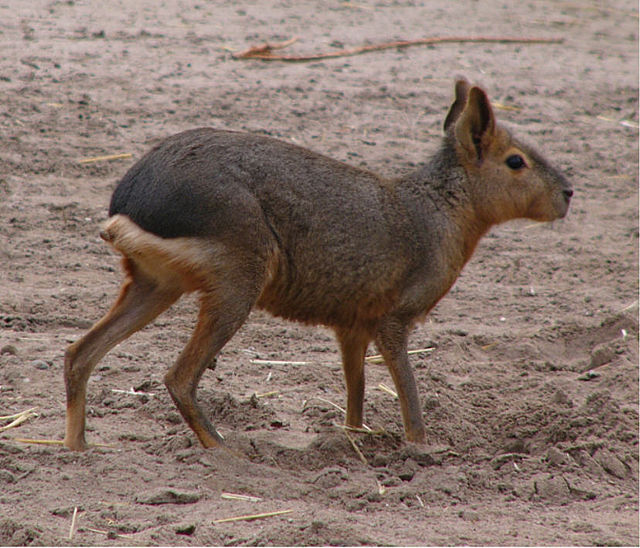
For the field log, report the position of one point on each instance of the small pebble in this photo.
(40, 364)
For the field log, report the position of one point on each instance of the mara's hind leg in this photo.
(222, 312)
(140, 301)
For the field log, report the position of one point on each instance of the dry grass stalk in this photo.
(265, 51)
(340, 409)
(16, 415)
(378, 358)
(356, 448)
(74, 523)
(501, 106)
(278, 362)
(271, 394)
(19, 418)
(105, 158)
(111, 534)
(388, 390)
(625, 123)
(38, 442)
(57, 442)
(629, 306)
(489, 346)
(251, 517)
(132, 392)
(357, 430)
(234, 496)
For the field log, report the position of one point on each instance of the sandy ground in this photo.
(523, 450)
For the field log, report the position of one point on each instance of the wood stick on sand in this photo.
(264, 51)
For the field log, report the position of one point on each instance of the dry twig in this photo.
(265, 51)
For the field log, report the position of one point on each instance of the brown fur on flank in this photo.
(250, 221)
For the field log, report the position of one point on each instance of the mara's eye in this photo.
(515, 161)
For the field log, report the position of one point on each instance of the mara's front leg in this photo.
(391, 340)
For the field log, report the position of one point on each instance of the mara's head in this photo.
(507, 179)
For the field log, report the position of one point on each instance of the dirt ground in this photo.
(530, 389)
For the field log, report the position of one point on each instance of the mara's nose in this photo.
(567, 194)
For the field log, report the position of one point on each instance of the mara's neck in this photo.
(439, 198)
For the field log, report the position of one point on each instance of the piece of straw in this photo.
(22, 417)
(108, 533)
(388, 390)
(629, 307)
(234, 496)
(57, 442)
(132, 392)
(356, 448)
(272, 394)
(626, 123)
(501, 106)
(16, 415)
(251, 517)
(74, 523)
(278, 362)
(377, 358)
(339, 409)
(108, 157)
(39, 442)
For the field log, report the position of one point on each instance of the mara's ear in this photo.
(476, 126)
(456, 108)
